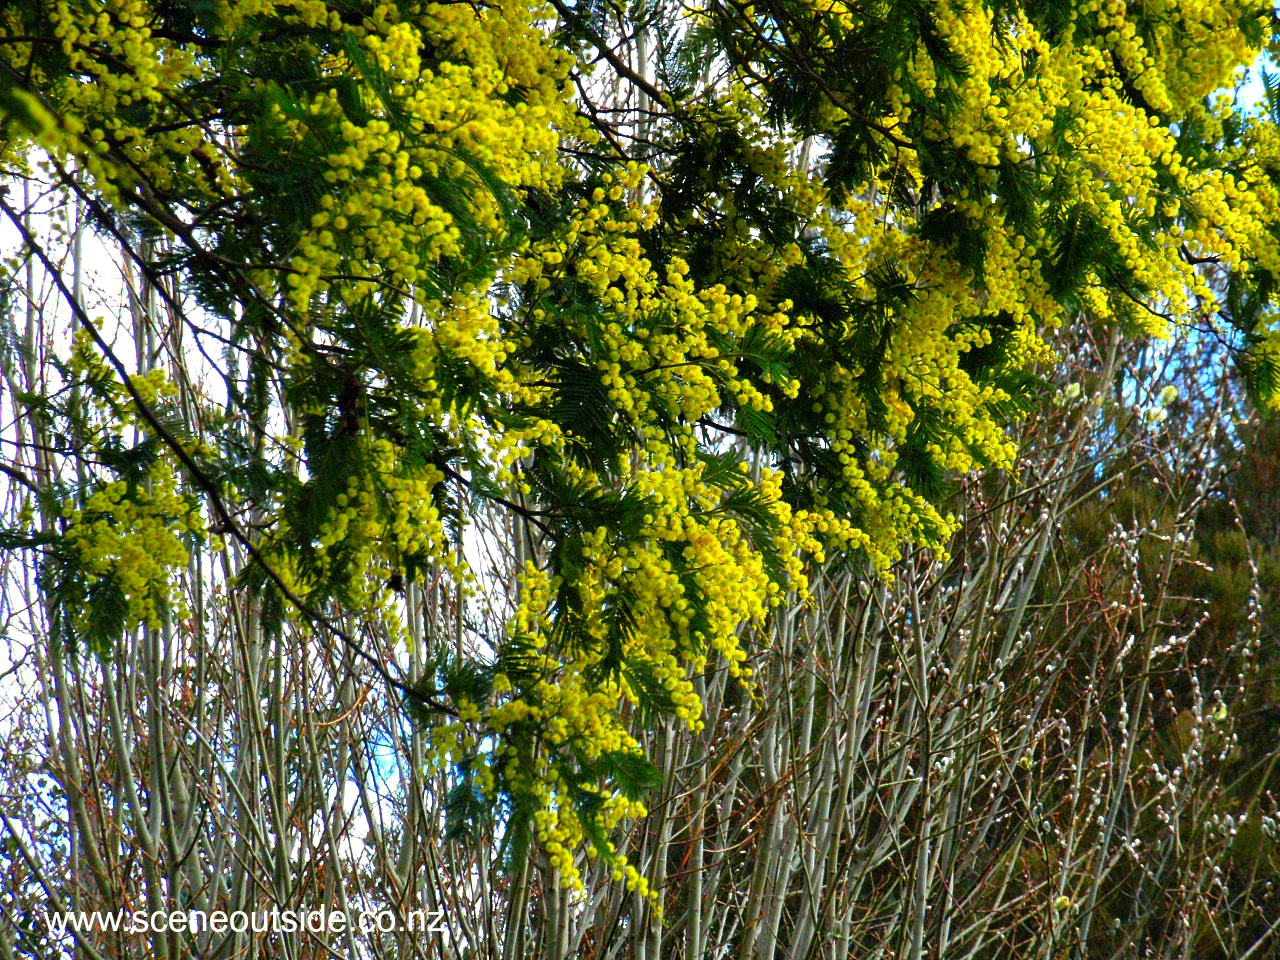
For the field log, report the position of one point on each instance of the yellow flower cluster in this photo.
(1116, 89)
(569, 715)
(131, 532)
(135, 536)
(414, 186)
(118, 112)
(385, 514)
(1088, 113)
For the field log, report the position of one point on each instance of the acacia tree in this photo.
(679, 328)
